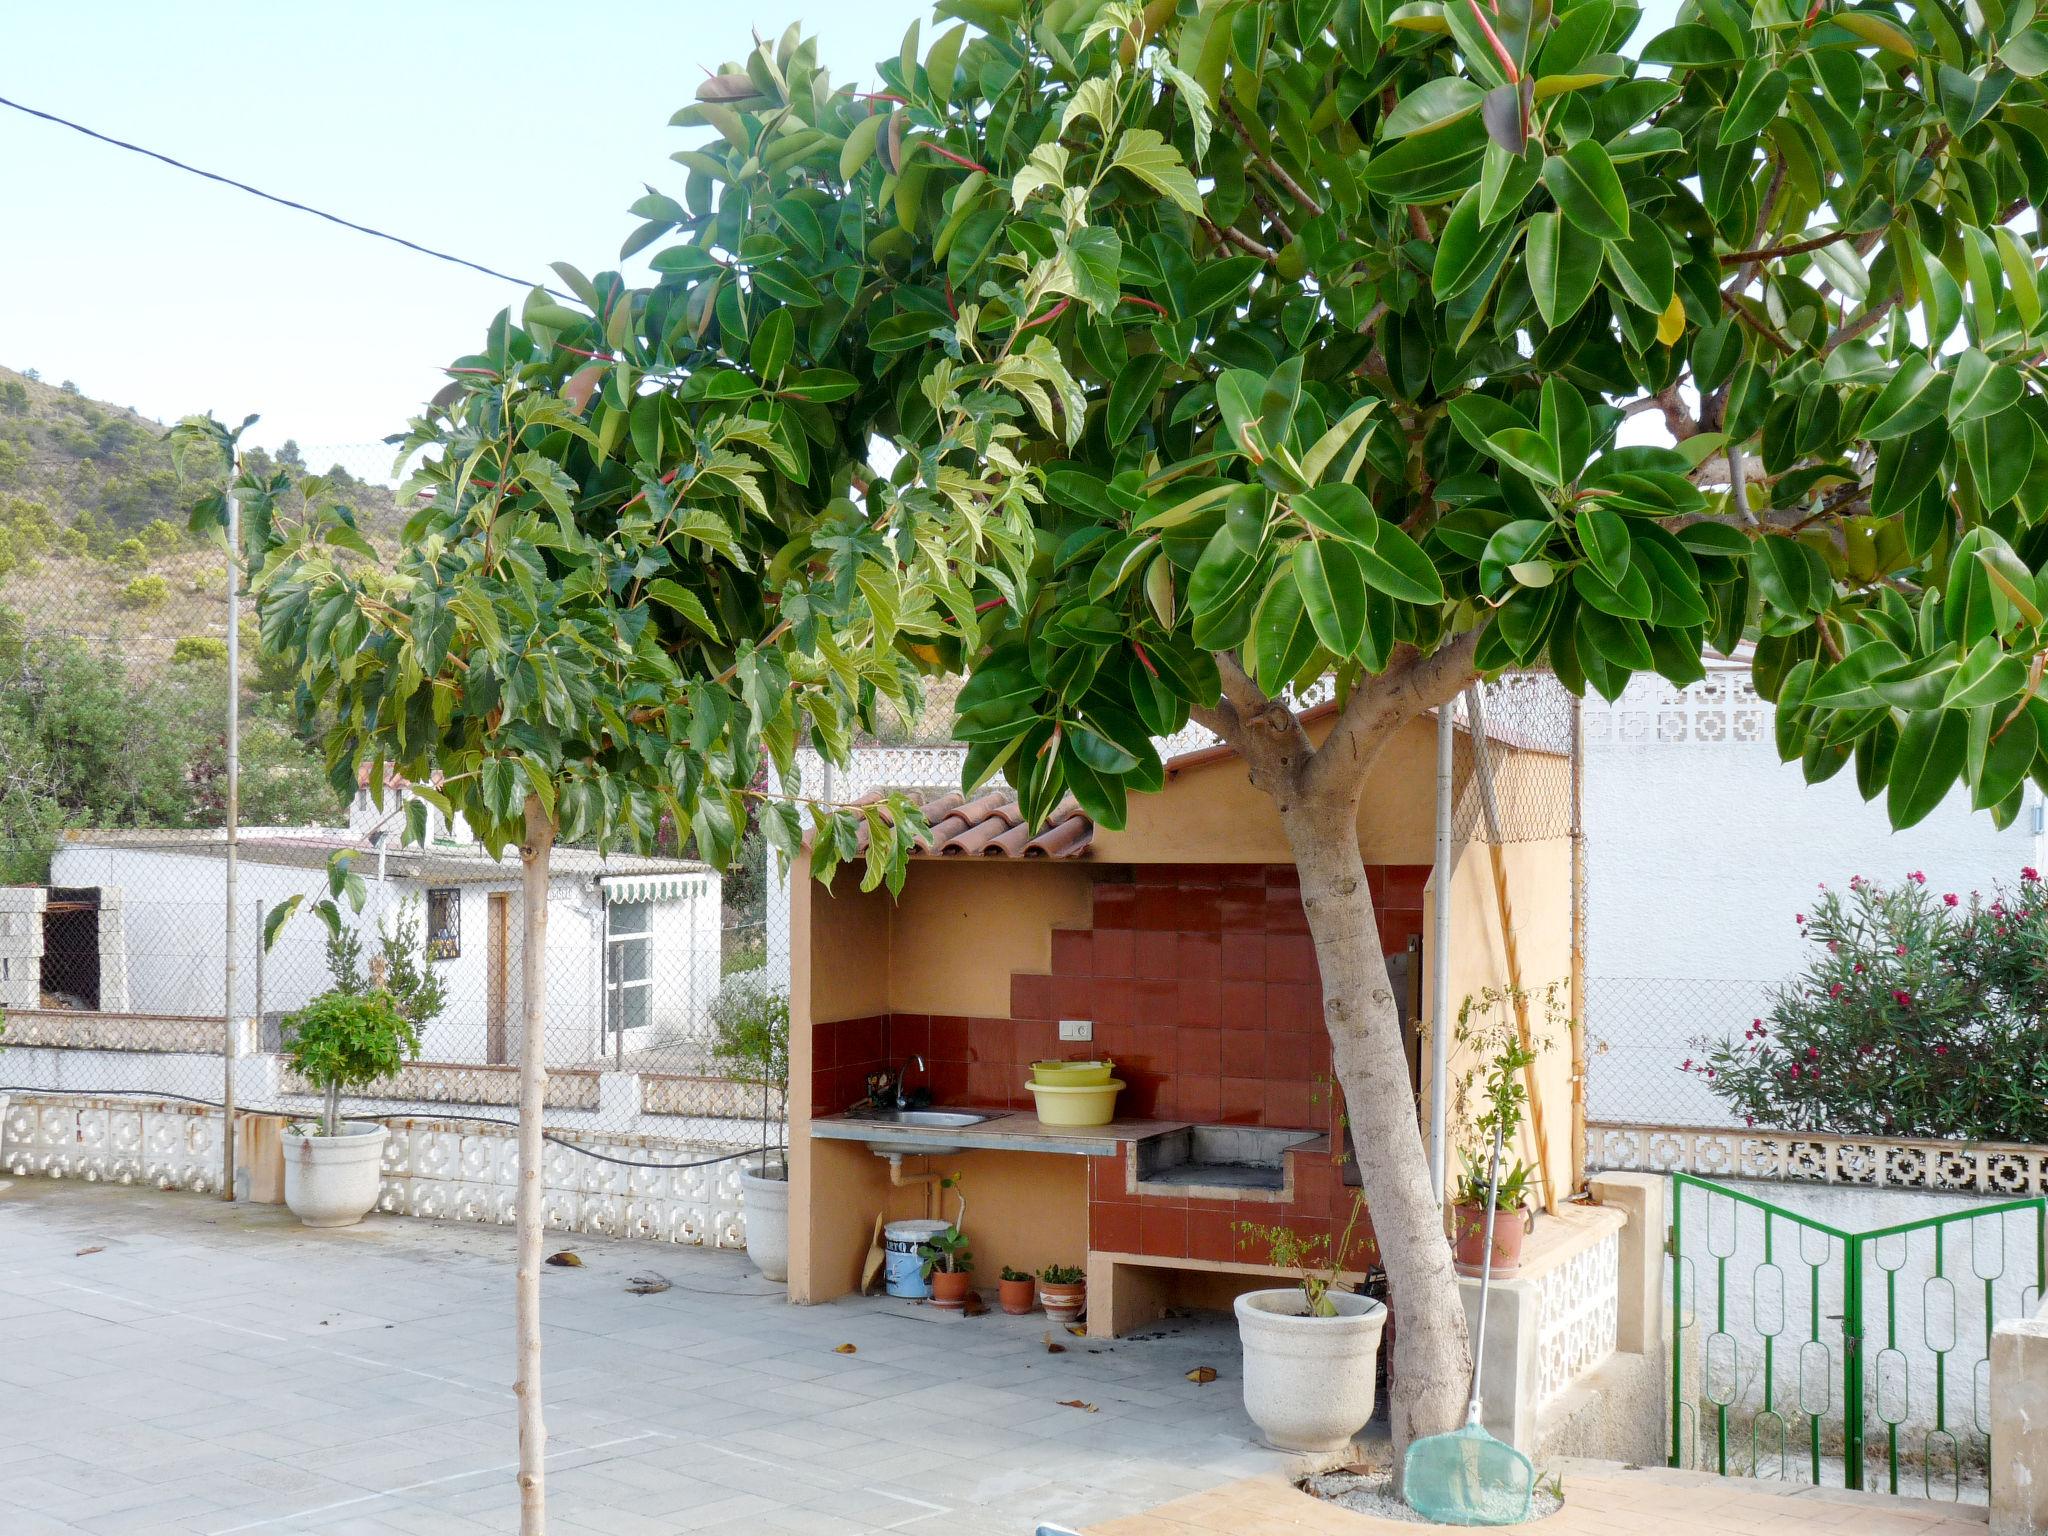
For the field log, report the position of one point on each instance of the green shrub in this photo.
(132, 553)
(750, 1028)
(191, 648)
(146, 592)
(1922, 1014)
(348, 1040)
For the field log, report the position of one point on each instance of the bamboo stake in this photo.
(1497, 854)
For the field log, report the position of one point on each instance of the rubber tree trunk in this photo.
(1432, 1361)
(533, 1080)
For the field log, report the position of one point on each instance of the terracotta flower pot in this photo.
(950, 1288)
(1468, 1238)
(1063, 1303)
(1018, 1296)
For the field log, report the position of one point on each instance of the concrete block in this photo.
(1508, 1367)
(2019, 1426)
(1640, 1321)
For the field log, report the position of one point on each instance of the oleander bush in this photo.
(1923, 1013)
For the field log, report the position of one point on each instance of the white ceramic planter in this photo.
(1309, 1381)
(764, 1194)
(332, 1181)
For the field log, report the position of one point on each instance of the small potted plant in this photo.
(1500, 1095)
(948, 1268)
(750, 1024)
(1017, 1292)
(341, 1040)
(1063, 1292)
(1311, 1350)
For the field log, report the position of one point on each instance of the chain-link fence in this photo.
(114, 930)
(1646, 1030)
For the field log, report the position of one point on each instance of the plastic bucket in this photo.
(900, 1263)
(1072, 1074)
(1092, 1105)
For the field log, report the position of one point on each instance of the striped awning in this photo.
(656, 887)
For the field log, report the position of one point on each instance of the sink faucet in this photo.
(902, 1086)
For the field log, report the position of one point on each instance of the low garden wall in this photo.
(433, 1168)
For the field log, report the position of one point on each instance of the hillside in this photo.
(92, 524)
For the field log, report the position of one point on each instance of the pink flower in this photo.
(1813, 1053)
(1793, 1071)
(1859, 967)
(1903, 999)
(1950, 898)
(1835, 990)
(1898, 949)
(1749, 1119)
(1833, 946)
(1917, 878)
(2029, 873)
(1688, 1065)
(1941, 1050)
(1799, 918)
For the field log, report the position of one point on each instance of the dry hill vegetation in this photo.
(113, 636)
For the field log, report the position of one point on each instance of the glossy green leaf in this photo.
(1587, 190)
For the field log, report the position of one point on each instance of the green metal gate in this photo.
(1809, 1353)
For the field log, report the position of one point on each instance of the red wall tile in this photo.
(1030, 997)
(1114, 952)
(1073, 952)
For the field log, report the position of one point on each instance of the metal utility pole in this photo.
(227, 1051)
(1440, 952)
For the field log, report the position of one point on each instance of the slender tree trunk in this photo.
(533, 1079)
(330, 1111)
(1432, 1357)
(1317, 790)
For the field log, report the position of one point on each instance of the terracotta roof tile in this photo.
(992, 825)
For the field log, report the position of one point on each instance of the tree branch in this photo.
(1229, 235)
(1774, 252)
(1849, 330)
(1378, 705)
(1741, 312)
(1288, 184)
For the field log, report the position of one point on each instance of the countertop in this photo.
(1007, 1130)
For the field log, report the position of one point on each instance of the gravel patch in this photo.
(1372, 1494)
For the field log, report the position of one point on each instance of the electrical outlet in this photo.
(1074, 1031)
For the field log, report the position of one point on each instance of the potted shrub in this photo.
(341, 1040)
(750, 1024)
(1468, 1215)
(1063, 1292)
(1498, 1092)
(948, 1268)
(1311, 1350)
(1016, 1290)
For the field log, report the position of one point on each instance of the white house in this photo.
(633, 944)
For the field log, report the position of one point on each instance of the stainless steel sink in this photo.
(930, 1119)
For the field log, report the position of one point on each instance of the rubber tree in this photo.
(1150, 364)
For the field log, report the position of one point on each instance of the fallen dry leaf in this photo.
(647, 1285)
(1202, 1375)
(1077, 1330)
(1075, 1402)
(97, 1248)
(845, 1349)
(1051, 1348)
(565, 1260)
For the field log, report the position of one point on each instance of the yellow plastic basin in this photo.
(1090, 1104)
(1072, 1074)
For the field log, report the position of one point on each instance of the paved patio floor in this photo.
(1600, 1499)
(170, 1364)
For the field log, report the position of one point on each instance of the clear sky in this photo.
(512, 133)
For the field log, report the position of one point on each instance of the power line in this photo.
(272, 197)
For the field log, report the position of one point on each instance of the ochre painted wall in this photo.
(963, 925)
(1213, 814)
(1539, 897)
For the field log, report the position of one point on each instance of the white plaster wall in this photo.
(1701, 847)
